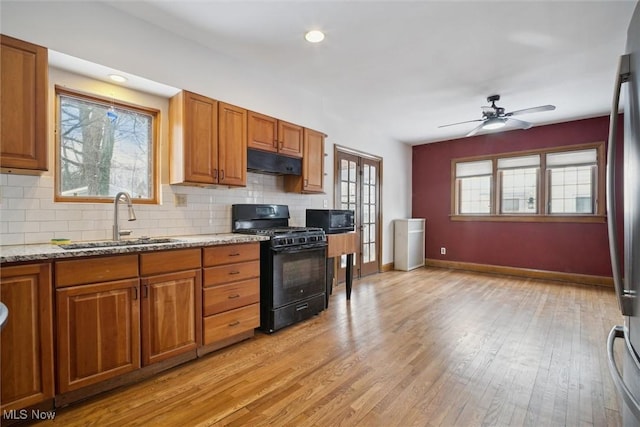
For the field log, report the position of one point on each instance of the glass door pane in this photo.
(357, 187)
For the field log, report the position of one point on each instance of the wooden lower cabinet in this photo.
(98, 332)
(231, 293)
(230, 323)
(26, 341)
(170, 323)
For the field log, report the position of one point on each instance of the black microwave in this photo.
(331, 220)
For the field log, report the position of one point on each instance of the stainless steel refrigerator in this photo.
(625, 260)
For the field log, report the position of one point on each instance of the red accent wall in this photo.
(580, 248)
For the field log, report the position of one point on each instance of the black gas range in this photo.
(292, 264)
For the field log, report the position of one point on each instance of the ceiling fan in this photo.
(494, 117)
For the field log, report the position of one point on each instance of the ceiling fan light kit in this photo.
(494, 117)
(494, 123)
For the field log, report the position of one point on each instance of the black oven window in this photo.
(302, 270)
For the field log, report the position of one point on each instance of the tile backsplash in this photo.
(29, 215)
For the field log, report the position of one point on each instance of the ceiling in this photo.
(406, 67)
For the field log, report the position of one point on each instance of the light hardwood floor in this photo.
(430, 347)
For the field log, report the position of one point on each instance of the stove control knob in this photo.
(290, 241)
(302, 240)
(313, 238)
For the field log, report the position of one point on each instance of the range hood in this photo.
(272, 163)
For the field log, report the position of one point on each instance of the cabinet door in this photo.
(262, 132)
(313, 162)
(232, 140)
(200, 139)
(171, 313)
(290, 139)
(23, 105)
(98, 332)
(26, 341)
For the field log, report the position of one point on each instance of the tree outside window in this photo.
(104, 148)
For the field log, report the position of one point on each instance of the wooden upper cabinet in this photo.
(193, 122)
(312, 179)
(208, 141)
(23, 105)
(26, 341)
(277, 136)
(232, 144)
(290, 139)
(262, 132)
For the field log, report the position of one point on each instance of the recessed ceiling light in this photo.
(117, 78)
(314, 36)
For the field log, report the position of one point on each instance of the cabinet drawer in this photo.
(227, 297)
(231, 273)
(169, 261)
(94, 270)
(230, 323)
(228, 254)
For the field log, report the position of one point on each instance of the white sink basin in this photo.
(114, 243)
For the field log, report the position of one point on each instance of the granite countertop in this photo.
(46, 251)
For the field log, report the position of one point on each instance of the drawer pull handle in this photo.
(235, 323)
(235, 254)
(302, 307)
(234, 272)
(234, 296)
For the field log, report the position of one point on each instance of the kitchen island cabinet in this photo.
(26, 340)
(23, 106)
(277, 136)
(312, 178)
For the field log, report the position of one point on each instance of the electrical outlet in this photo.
(443, 251)
(325, 203)
(180, 200)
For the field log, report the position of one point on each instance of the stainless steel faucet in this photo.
(132, 215)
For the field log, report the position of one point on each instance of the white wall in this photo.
(99, 33)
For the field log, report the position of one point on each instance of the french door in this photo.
(357, 187)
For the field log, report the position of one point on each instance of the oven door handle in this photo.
(300, 248)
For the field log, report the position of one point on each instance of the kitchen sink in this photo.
(116, 243)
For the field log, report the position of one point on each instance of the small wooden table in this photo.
(338, 245)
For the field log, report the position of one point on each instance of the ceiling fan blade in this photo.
(520, 123)
(459, 123)
(476, 129)
(531, 110)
